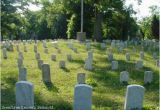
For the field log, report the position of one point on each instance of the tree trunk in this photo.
(98, 27)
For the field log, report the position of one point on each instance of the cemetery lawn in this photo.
(108, 93)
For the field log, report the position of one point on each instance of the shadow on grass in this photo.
(100, 102)
(57, 103)
(65, 69)
(110, 78)
(51, 87)
(77, 61)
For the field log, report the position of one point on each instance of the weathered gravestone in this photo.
(103, 45)
(81, 78)
(20, 62)
(110, 57)
(69, 57)
(35, 48)
(40, 62)
(20, 55)
(127, 57)
(37, 55)
(25, 48)
(46, 73)
(114, 65)
(62, 64)
(53, 57)
(139, 64)
(4, 53)
(124, 76)
(88, 61)
(24, 95)
(148, 77)
(141, 55)
(88, 46)
(22, 74)
(82, 97)
(134, 97)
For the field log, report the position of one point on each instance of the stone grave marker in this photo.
(24, 95)
(46, 73)
(134, 97)
(22, 74)
(148, 77)
(81, 78)
(82, 97)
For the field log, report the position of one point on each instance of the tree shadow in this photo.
(57, 103)
(65, 69)
(77, 61)
(51, 87)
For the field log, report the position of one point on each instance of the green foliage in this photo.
(70, 27)
(91, 82)
(155, 27)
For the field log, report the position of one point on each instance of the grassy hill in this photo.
(108, 93)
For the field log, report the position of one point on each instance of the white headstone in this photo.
(53, 57)
(134, 97)
(37, 55)
(69, 57)
(22, 74)
(103, 45)
(20, 62)
(46, 73)
(141, 55)
(62, 64)
(40, 62)
(148, 77)
(4, 53)
(110, 57)
(127, 57)
(46, 50)
(139, 64)
(124, 76)
(81, 78)
(114, 65)
(82, 97)
(24, 95)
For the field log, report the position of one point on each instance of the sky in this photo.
(142, 10)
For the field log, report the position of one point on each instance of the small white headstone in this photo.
(62, 64)
(24, 95)
(22, 74)
(4, 53)
(114, 65)
(127, 57)
(81, 78)
(110, 57)
(40, 62)
(82, 97)
(53, 57)
(139, 64)
(46, 73)
(124, 76)
(69, 57)
(134, 97)
(148, 77)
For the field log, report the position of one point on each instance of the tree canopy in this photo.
(103, 19)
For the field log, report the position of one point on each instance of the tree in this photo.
(155, 27)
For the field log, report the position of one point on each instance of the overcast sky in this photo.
(142, 10)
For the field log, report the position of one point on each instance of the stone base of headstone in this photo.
(81, 36)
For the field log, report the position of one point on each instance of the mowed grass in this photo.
(108, 93)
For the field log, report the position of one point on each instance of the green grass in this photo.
(108, 93)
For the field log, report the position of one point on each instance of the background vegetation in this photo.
(103, 19)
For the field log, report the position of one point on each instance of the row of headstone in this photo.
(148, 77)
(89, 61)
